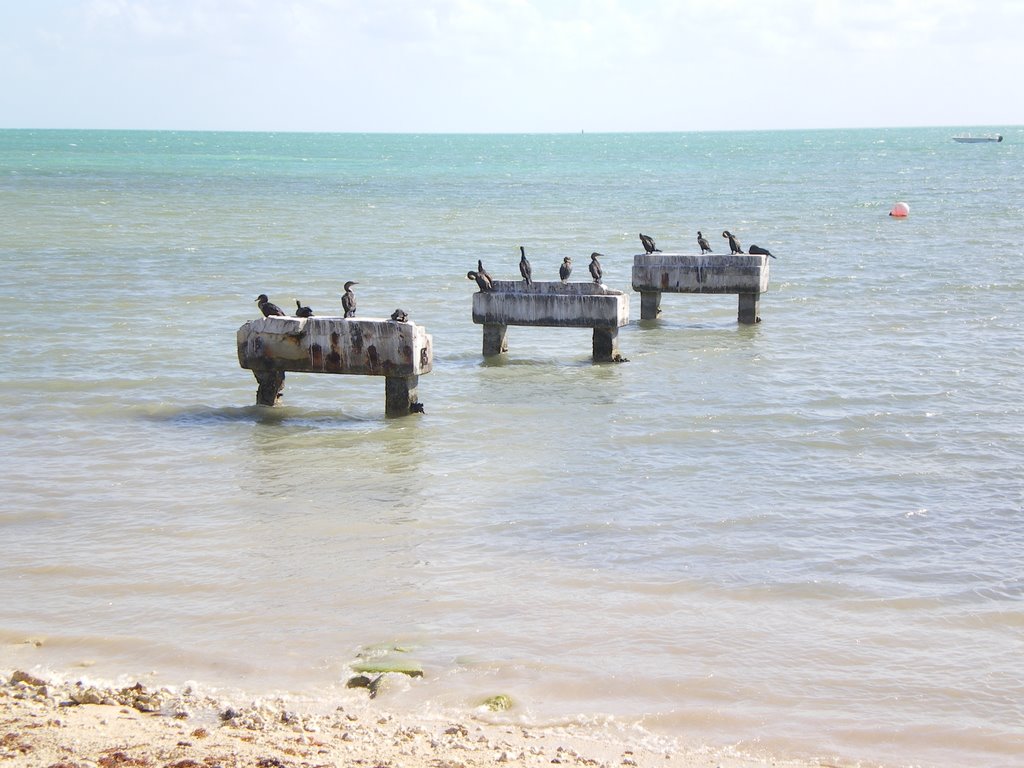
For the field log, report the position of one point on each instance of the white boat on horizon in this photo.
(967, 138)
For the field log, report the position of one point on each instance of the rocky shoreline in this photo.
(59, 724)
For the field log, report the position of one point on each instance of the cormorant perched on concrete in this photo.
(524, 266)
(302, 311)
(595, 267)
(400, 316)
(734, 244)
(348, 299)
(266, 307)
(757, 250)
(481, 271)
(703, 243)
(565, 269)
(483, 281)
(648, 244)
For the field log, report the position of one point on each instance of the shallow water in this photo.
(802, 535)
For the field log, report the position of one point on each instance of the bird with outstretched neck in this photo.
(595, 267)
(481, 271)
(301, 311)
(524, 266)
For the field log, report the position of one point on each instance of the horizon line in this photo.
(582, 131)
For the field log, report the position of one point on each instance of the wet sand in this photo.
(56, 724)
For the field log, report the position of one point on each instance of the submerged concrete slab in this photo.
(743, 274)
(398, 351)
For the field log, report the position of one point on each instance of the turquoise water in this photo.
(802, 536)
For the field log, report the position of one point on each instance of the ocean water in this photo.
(803, 536)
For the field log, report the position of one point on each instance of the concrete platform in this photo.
(553, 305)
(398, 351)
(743, 274)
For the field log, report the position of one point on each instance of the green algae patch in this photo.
(387, 658)
(389, 664)
(498, 703)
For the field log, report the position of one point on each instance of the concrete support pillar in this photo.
(749, 304)
(650, 305)
(271, 383)
(400, 393)
(606, 344)
(495, 339)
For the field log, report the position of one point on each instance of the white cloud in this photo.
(501, 64)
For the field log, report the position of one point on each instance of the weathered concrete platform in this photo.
(743, 274)
(554, 305)
(399, 351)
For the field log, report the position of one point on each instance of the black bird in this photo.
(524, 266)
(703, 243)
(400, 316)
(348, 299)
(483, 281)
(565, 269)
(757, 250)
(481, 271)
(595, 267)
(302, 311)
(266, 307)
(648, 244)
(734, 244)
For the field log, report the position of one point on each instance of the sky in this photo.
(516, 66)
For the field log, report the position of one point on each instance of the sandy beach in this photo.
(55, 724)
